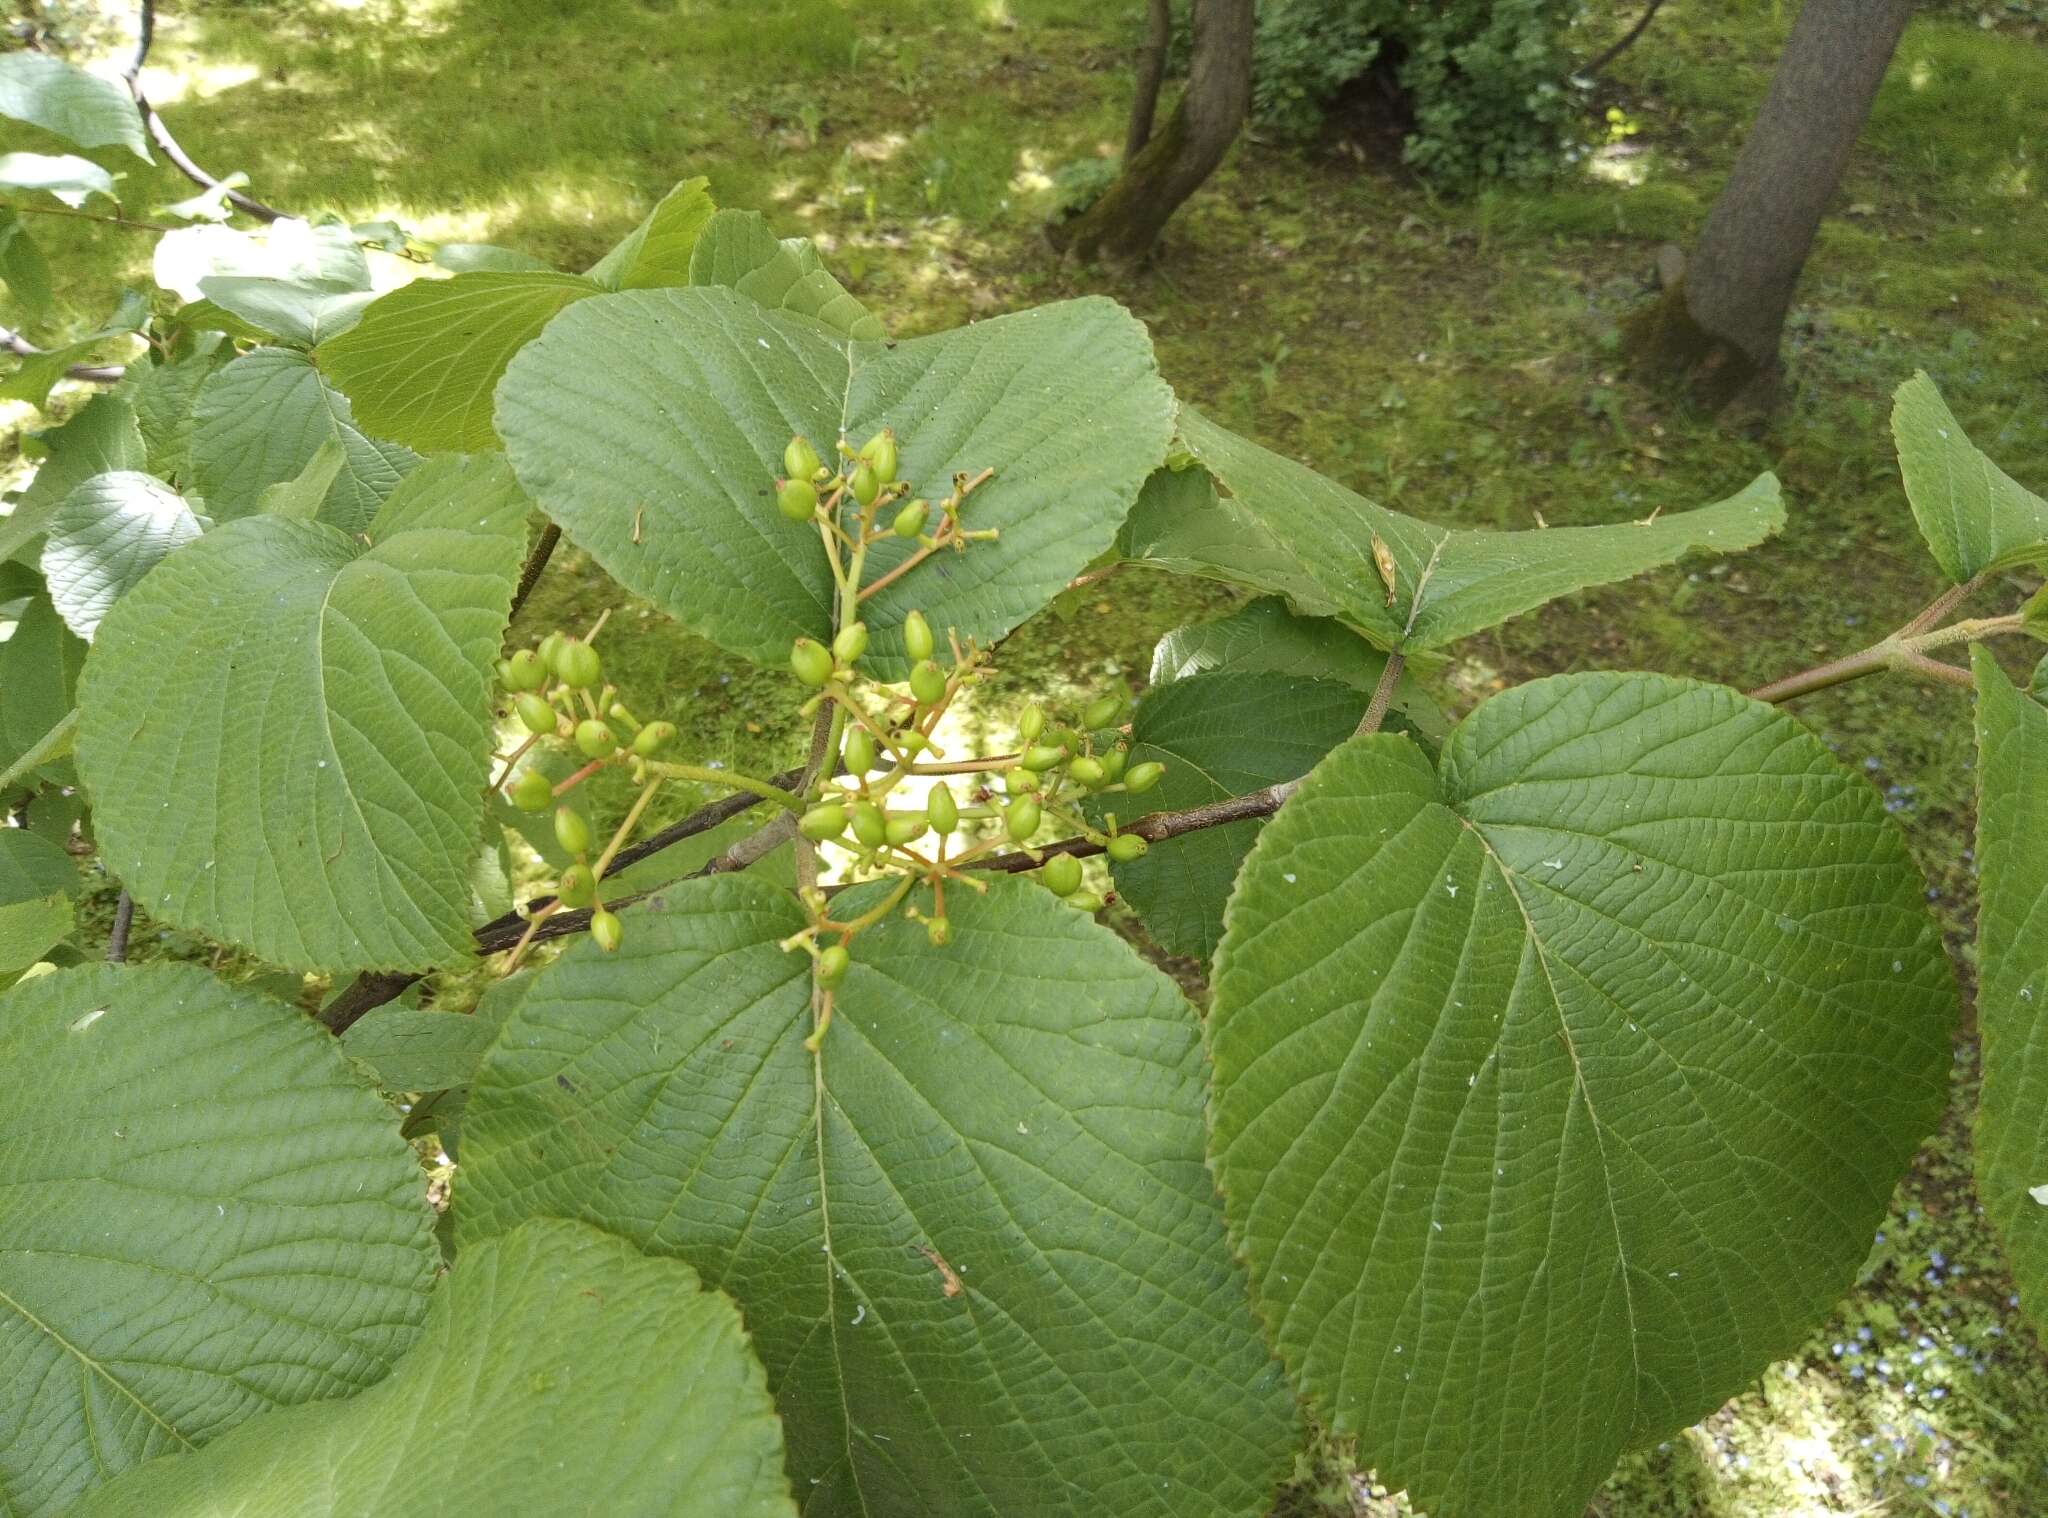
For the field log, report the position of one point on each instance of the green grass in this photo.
(1456, 359)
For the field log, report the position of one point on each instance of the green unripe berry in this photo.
(866, 483)
(823, 822)
(595, 738)
(525, 670)
(577, 887)
(1127, 846)
(911, 741)
(1088, 772)
(535, 715)
(606, 929)
(1102, 712)
(1031, 724)
(579, 665)
(1040, 757)
(938, 932)
(572, 830)
(1113, 764)
(1021, 818)
(833, 964)
(851, 643)
(858, 751)
(942, 810)
(797, 499)
(651, 737)
(917, 637)
(911, 519)
(880, 451)
(1085, 901)
(531, 792)
(1061, 874)
(810, 661)
(799, 458)
(1066, 738)
(550, 646)
(905, 828)
(869, 825)
(1142, 777)
(928, 683)
(1019, 782)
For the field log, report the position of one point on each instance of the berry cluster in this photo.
(558, 694)
(881, 738)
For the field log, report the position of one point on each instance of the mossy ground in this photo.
(1455, 358)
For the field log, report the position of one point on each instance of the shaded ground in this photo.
(1456, 359)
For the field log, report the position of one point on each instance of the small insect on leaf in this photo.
(1383, 561)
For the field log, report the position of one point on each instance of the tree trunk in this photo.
(1719, 322)
(1151, 71)
(1128, 218)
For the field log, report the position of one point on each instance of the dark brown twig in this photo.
(161, 135)
(1153, 829)
(373, 989)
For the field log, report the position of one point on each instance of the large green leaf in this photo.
(651, 426)
(560, 1372)
(286, 733)
(1560, 1089)
(261, 420)
(657, 252)
(39, 666)
(204, 1213)
(37, 882)
(2012, 967)
(1219, 735)
(737, 249)
(1448, 583)
(1264, 637)
(421, 364)
(101, 437)
(974, 1238)
(92, 111)
(1973, 515)
(110, 532)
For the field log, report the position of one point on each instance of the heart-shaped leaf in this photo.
(1561, 1086)
(651, 426)
(973, 1237)
(204, 1213)
(560, 1371)
(330, 818)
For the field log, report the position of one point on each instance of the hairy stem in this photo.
(1382, 695)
